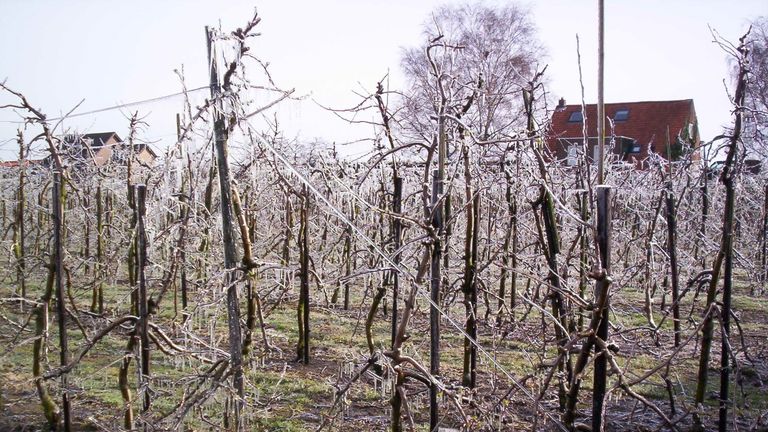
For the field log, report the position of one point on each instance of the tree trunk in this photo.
(469, 377)
(380, 291)
(61, 311)
(50, 409)
(285, 257)
(122, 381)
(551, 247)
(347, 264)
(725, 255)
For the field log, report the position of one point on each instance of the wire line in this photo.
(114, 107)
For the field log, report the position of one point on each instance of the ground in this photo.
(286, 395)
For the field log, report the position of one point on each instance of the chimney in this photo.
(561, 104)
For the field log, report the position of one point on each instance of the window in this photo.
(631, 146)
(621, 115)
(575, 117)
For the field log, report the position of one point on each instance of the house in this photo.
(10, 169)
(14, 164)
(82, 152)
(102, 149)
(633, 131)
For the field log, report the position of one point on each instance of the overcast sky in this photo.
(112, 52)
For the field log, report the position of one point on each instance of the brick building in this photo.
(635, 129)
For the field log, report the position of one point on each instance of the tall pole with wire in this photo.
(603, 237)
(143, 301)
(600, 94)
(230, 258)
(434, 314)
(438, 177)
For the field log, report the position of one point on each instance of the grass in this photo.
(288, 396)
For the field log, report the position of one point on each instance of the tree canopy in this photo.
(478, 58)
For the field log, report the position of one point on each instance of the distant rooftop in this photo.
(648, 122)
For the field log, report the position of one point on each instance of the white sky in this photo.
(111, 52)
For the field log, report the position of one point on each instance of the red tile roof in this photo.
(15, 163)
(647, 122)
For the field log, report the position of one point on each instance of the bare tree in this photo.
(756, 97)
(494, 53)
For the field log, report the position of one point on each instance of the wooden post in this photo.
(583, 257)
(183, 216)
(230, 254)
(141, 262)
(61, 310)
(514, 218)
(285, 258)
(603, 231)
(132, 249)
(3, 217)
(505, 254)
(704, 213)
(470, 346)
(434, 315)
(304, 263)
(672, 250)
(438, 176)
(469, 287)
(602, 287)
(19, 231)
(349, 257)
(600, 91)
(85, 251)
(551, 250)
(397, 234)
(725, 317)
(97, 303)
